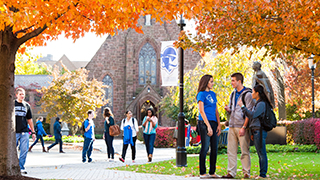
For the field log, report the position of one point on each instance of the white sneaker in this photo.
(23, 171)
(111, 160)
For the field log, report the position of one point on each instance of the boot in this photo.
(150, 158)
(30, 148)
(48, 149)
(43, 149)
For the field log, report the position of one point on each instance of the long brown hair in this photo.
(107, 112)
(203, 83)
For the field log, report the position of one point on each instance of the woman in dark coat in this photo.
(109, 121)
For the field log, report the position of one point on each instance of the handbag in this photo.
(114, 130)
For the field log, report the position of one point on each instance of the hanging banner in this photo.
(169, 64)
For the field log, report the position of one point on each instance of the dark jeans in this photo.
(109, 142)
(55, 143)
(41, 139)
(87, 149)
(261, 150)
(133, 149)
(149, 142)
(206, 141)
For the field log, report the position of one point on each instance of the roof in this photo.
(32, 81)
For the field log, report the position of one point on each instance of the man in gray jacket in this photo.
(238, 132)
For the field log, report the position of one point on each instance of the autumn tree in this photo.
(281, 26)
(33, 22)
(70, 95)
(26, 65)
(221, 68)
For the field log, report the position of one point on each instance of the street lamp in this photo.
(312, 66)
(181, 156)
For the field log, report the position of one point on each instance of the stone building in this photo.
(129, 63)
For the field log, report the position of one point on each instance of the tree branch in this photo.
(23, 30)
(30, 35)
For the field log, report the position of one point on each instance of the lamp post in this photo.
(181, 156)
(312, 66)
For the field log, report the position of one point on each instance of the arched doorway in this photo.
(143, 110)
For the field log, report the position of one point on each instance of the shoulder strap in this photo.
(231, 99)
(133, 121)
(244, 95)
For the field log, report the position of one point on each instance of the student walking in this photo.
(129, 126)
(209, 126)
(149, 124)
(57, 135)
(109, 121)
(23, 117)
(89, 137)
(40, 133)
(256, 115)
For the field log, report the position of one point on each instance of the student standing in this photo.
(209, 126)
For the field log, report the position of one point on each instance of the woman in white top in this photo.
(133, 123)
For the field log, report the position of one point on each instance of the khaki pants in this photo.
(233, 140)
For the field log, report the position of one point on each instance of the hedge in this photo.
(305, 131)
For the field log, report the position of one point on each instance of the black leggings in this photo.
(133, 148)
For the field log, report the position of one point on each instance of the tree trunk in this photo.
(8, 153)
(281, 97)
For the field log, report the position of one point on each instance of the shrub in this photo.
(68, 139)
(98, 136)
(164, 137)
(303, 132)
(317, 134)
(140, 134)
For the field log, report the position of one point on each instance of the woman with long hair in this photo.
(109, 121)
(149, 124)
(255, 116)
(208, 125)
(129, 126)
(40, 133)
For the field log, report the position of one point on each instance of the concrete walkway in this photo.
(54, 165)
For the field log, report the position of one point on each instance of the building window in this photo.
(147, 65)
(147, 20)
(109, 92)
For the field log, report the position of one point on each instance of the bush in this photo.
(164, 137)
(98, 136)
(140, 134)
(66, 139)
(317, 134)
(303, 132)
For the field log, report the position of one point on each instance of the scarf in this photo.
(148, 129)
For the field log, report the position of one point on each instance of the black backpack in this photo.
(36, 129)
(269, 121)
(83, 129)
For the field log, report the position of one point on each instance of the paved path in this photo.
(55, 165)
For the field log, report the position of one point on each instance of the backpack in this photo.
(83, 129)
(269, 121)
(36, 129)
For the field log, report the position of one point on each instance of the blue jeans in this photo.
(24, 146)
(41, 139)
(206, 141)
(149, 142)
(261, 150)
(109, 142)
(58, 141)
(87, 149)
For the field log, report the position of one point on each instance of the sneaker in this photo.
(205, 176)
(23, 171)
(121, 159)
(133, 161)
(90, 160)
(214, 176)
(111, 160)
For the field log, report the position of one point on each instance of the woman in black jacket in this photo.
(109, 121)
(256, 115)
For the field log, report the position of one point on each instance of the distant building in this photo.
(71, 65)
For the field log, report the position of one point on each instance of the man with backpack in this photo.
(89, 137)
(238, 132)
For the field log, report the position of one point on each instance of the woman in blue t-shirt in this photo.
(208, 125)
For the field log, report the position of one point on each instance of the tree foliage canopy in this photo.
(281, 26)
(71, 95)
(26, 65)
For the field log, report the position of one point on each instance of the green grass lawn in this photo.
(281, 166)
